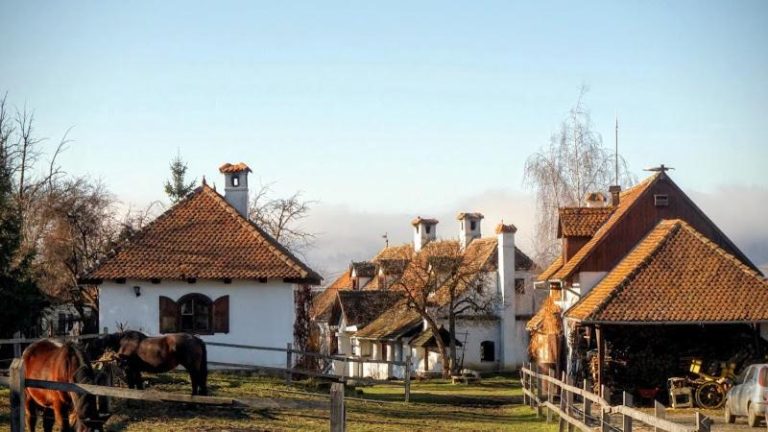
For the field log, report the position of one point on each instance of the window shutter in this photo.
(169, 315)
(221, 315)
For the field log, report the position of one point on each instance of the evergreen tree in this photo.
(176, 187)
(19, 294)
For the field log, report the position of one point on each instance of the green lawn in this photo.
(437, 405)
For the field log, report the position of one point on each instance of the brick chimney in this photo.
(615, 191)
(236, 186)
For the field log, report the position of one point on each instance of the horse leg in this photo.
(137, 381)
(195, 382)
(30, 413)
(61, 413)
(48, 420)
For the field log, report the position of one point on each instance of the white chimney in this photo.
(469, 227)
(424, 231)
(236, 186)
(509, 324)
(596, 200)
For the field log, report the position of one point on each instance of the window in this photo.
(520, 286)
(487, 351)
(661, 200)
(473, 225)
(196, 313)
(429, 228)
(235, 181)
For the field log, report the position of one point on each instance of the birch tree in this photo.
(561, 174)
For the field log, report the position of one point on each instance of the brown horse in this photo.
(140, 353)
(52, 361)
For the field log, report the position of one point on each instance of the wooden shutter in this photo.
(169, 315)
(221, 315)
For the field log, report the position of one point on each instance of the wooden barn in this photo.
(645, 285)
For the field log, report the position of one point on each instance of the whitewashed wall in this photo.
(476, 332)
(259, 314)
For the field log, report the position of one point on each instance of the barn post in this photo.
(600, 358)
(288, 363)
(587, 411)
(604, 423)
(338, 413)
(626, 420)
(407, 376)
(16, 381)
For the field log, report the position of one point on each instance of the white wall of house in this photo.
(259, 314)
(472, 333)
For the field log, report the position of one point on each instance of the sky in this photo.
(381, 111)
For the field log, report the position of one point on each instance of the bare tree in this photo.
(445, 282)
(574, 164)
(281, 218)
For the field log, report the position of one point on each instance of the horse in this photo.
(63, 362)
(140, 353)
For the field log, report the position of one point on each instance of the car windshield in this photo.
(742, 375)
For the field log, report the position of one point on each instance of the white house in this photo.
(489, 340)
(203, 267)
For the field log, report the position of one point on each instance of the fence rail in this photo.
(577, 407)
(17, 383)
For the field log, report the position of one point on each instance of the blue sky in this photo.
(388, 107)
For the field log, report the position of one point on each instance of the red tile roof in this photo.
(202, 237)
(582, 221)
(676, 275)
(322, 303)
(553, 268)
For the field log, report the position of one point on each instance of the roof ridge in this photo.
(263, 236)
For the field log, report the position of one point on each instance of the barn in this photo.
(203, 267)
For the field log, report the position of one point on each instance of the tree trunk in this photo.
(452, 343)
(440, 346)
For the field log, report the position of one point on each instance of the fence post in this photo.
(569, 402)
(563, 401)
(522, 383)
(539, 395)
(587, 411)
(703, 423)
(288, 363)
(407, 377)
(17, 395)
(604, 417)
(550, 395)
(659, 411)
(338, 413)
(626, 420)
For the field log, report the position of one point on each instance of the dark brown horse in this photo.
(140, 353)
(52, 361)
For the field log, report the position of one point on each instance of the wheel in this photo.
(710, 395)
(752, 418)
(727, 416)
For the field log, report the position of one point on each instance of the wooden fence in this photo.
(577, 407)
(18, 383)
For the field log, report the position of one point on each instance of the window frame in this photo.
(192, 297)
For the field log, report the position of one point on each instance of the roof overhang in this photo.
(657, 323)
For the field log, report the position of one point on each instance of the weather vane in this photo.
(660, 168)
(386, 240)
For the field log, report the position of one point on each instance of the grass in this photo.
(491, 405)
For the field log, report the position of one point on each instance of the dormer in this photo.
(424, 231)
(361, 273)
(469, 227)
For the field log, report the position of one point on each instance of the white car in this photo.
(748, 397)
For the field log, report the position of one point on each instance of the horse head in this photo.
(85, 417)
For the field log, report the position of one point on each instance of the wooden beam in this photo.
(16, 381)
(600, 358)
(338, 410)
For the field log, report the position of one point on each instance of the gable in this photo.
(636, 215)
(202, 237)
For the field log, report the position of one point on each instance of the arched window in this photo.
(487, 351)
(196, 312)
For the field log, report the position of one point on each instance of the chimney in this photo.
(236, 186)
(469, 227)
(424, 231)
(596, 200)
(510, 329)
(615, 191)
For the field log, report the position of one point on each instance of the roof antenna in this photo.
(386, 240)
(616, 154)
(205, 183)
